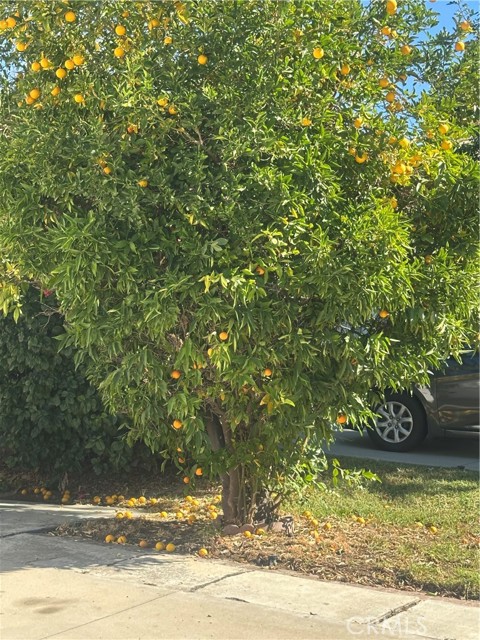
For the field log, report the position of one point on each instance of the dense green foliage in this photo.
(51, 418)
(249, 193)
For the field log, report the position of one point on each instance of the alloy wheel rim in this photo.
(394, 422)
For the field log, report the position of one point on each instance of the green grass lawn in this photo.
(421, 524)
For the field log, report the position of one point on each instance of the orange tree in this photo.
(254, 214)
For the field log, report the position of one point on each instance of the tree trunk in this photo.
(243, 500)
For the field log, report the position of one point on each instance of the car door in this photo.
(457, 391)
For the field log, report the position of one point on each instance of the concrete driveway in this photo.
(459, 450)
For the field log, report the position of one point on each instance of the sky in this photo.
(446, 10)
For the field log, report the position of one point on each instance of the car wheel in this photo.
(400, 424)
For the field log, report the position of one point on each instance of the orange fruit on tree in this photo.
(357, 123)
(118, 52)
(306, 122)
(143, 183)
(223, 335)
(34, 94)
(45, 63)
(260, 271)
(60, 73)
(78, 59)
(20, 46)
(404, 143)
(386, 31)
(202, 59)
(107, 170)
(55, 91)
(405, 50)
(120, 30)
(70, 16)
(199, 472)
(186, 480)
(11, 22)
(390, 97)
(172, 110)
(465, 25)
(345, 69)
(360, 159)
(446, 145)
(162, 102)
(384, 82)
(318, 53)
(177, 424)
(459, 46)
(36, 66)
(443, 128)
(391, 7)
(267, 373)
(175, 374)
(69, 64)
(383, 313)
(167, 40)
(341, 418)
(79, 99)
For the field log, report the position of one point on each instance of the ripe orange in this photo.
(404, 143)
(405, 50)
(391, 7)
(34, 94)
(357, 123)
(162, 102)
(393, 203)
(459, 46)
(202, 59)
(121, 539)
(384, 82)
(428, 259)
(306, 122)
(118, 52)
(11, 22)
(446, 145)
(177, 424)
(345, 69)
(399, 168)
(60, 73)
(45, 63)
(361, 159)
(69, 64)
(160, 546)
(20, 46)
(120, 30)
(318, 53)
(70, 16)
(170, 547)
(172, 110)
(267, 373)
(181, 460)
(36, 66)
(383, 313)
(175, 374)
(199, 472)
(55, 91)
(79, 99)
(109, 538)
(386, 31)
(260, 271)
(143, 544)
(167, 40)
(107, 170)
(465, 25)
(390, 97)
(443, 128)
(186, 480)
(78, 59)
(143, 183)
(203, 553)
(223, 335)
(247, 534)
(341, 418)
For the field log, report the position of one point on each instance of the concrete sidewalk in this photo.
(55, 587)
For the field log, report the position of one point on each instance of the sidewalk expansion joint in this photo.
(207, 584)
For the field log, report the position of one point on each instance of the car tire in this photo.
(401, 423)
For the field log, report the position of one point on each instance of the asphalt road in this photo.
(460, 450)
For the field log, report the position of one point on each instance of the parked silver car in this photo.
(449, 403)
